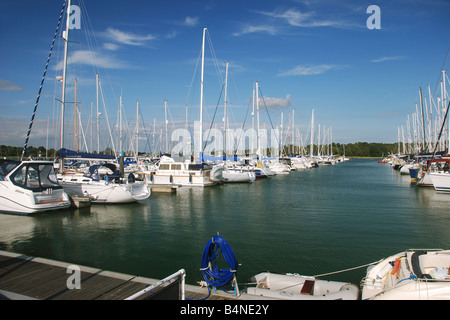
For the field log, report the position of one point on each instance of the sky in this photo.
(359, 69)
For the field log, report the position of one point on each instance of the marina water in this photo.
(310, 222)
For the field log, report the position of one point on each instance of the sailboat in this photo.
(191, 172)
(110, 189)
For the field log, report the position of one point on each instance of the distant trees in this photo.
(358, 149)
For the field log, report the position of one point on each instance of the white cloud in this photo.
(6, 85)
(309, 70)
(256, 29)
(86, 57)
(111, 46)
(127, 37)
(277, 102)
(383, 59)
(297, 18)
(191, 21)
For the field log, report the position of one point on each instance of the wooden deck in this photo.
(29, 278)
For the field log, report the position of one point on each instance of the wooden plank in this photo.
(25, 277)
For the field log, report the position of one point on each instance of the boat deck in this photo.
(29, 278)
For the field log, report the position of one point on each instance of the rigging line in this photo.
(439, 137)
(214, 116)
(42, 81)
(270, 119)
(242, 128)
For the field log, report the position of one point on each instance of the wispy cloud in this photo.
(191, 21)
(86, 57)
(302, 70)
(383, 59)
(6, 85)
(274, 103)
(297, 18)
(127, 38)
(257, 29)
(111, 46)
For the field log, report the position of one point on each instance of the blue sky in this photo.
(305, 54)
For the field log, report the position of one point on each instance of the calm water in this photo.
(309, 222)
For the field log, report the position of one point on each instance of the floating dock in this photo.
(29, 278)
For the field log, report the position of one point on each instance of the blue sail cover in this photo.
(66, 153)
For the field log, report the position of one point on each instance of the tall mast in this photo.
(225, 113)
(137, 129)
(258, 144)
(201, 96)
(63, 95)
(165, 121)
(98, 115)
(312, 134)
(76, 128)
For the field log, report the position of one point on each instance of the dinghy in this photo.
(416, 274)
(298, 287)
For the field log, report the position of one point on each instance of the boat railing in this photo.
(170, 288)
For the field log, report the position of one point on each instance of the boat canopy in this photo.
(66, 153)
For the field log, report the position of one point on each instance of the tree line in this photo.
(358, 149)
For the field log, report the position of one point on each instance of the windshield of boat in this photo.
(6, 166)
(36, 177)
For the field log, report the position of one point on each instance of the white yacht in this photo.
(236, 172)
(28, 187)
(103, 183)
(168, 172)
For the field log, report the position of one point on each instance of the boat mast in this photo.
(258, 144)
(65, 36)
(165, 121)
(225, 114)
(76, 127)
(201, 96)
(98, 115)
(312, 135)
(137, 129)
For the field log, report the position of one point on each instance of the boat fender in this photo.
(396, 266)
(171, 179)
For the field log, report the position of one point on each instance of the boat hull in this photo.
(298, 287)
(416, 274)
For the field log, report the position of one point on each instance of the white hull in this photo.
(441, 181)
(104, 192)
(238, 176)
(298, 287)
(26, 202)
(411, 275)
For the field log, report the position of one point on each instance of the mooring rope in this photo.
(345, 270)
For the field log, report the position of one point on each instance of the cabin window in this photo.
(36, 177)
(164, 166)
(176, 167)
